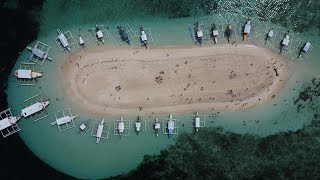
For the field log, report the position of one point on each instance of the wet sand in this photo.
(173, 79)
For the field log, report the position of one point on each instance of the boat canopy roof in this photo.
(64, 120)
(99, 34)
(99, 131)
(63, 40)
(199, 33)
(32, 109)
(144, 37)
(121, 126)
(25, 74)
(5, 123)
(247, 28)
(170, 124)
(38, 52)
(306, 46)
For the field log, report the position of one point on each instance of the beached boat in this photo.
(199, 33)
(197, 121)
(269, 35)
(99, 34)
(99, 131)
(121, 126)
(123, 35)
(171, 125)
(143, 37)
(305, 48)
(215, 33)
(81, 41)
(63, 40)
(285, 41)
(35, 51)
(63, 120)
(157, 126)
(247, 29)
(27, 74)
(37, 107)
(138, 125)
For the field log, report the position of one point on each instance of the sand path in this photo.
(176, 79)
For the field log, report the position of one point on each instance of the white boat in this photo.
(197, 121)
(270, 34)
(38, 52)
(63, 40)
(81, 41)
(305, 48)
(63, 120)
(37, 107)
(143, 36)
(8, 121)
(157, 126)
(27, 74)
(99, 131)
(138, 125)
(121, 126)
(99, 34)
(170, 125)
(247, 27)
(286, 40)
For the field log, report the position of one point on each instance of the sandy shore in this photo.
(176, 79)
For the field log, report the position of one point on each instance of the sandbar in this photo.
(173, 79)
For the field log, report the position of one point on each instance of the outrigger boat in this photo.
(81, 41)
(144, 38)
(124, 35)
(27, 74)
(305, 48)
(246, 29)
(269, 35)
(99, 131)
(38, 52)
(121, 127)
(199, 33)
(157, 126)
(37, 107)
(99, 34)
(63, 40)
(285, 41)
(138, 125)
(197, 121)
(63, 120)
(171, 125)
(215, 33)
(8, 122)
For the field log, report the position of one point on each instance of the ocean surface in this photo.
(79, 155)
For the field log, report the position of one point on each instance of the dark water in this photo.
(18, 28)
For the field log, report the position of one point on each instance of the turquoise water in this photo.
(79, 155)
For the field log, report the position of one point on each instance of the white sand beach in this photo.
(173, 79)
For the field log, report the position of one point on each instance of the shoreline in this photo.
(105, 81)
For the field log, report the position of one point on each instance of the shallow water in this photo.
(79, 155)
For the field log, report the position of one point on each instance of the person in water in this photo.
(228, 32)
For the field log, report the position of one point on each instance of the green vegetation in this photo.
(215, 154)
